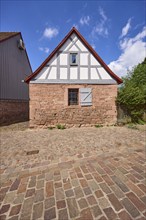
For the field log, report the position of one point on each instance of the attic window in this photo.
(73, 59)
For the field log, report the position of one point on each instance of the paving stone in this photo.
(120, 184)
(19, 198)
(87, 191)
(75, 182)
(142, 187)
(3, 217)
(27, 207)
(91, 200)
(59, 194)
(124, 215)
(78, 192)
(88, 176)
(93, 185)
(15, 185)
(49, 189)
(110, 213)
(135, 188)
(105, 188)
(37, 210)
(134, 199)
(30, 192)
(58, 184)
(9, 198)
(32, 182)
(132, 178)
(118, 192)
(97, 177)
(40, 184)
(15, 210)
(41, 176)
(49, 203)
(79, 175)
(130, 208)
(64, 174)
(67, 185)
(72, 207)
(143, 199)
(49, 176)
(115, 202)
(4, 208)
(103, 203)
(108, 180)
(50, 214)
(102, 218)
(13, 218)
(63, 214)
(39, 195)
(61, 204)
(96, 211)
(84, 169)
(86, 214)
(82, 203)
(99, 193)
(83, 183)
(22, 188)
(69, 193)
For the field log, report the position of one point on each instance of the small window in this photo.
(73, 59)
(73, 95)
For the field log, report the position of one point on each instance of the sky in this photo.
(115, 29)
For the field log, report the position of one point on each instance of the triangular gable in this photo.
(85, 44)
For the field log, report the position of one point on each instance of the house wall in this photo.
(14, 67)
(14, 94)
(49, 105)
(12, 111)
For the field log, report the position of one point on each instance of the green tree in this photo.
(132, 93)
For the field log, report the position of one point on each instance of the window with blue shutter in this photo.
(85, 96)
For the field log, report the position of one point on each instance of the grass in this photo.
(98, 126)
(59, 126)
(132, 126)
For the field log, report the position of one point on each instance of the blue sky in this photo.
(116, 29)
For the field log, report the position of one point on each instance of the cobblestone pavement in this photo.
(91, 183)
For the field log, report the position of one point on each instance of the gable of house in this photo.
(89, 67)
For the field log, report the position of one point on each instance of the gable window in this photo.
(73, 59)
(73, 95)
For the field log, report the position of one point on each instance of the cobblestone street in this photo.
(79, 173)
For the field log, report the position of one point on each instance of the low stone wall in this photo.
(49, 106)
(12, 111)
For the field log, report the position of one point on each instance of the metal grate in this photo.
(32, 152)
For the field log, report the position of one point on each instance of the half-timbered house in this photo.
(73, 86)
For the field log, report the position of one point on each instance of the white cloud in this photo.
(50, 32)
(102, 13)
(126, 28)
(133, 52)
(85, 20)
(44, 49)
(102, 26)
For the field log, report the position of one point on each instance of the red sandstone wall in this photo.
(12, 111)
(49, 105)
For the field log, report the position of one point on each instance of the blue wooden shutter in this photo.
(85, 96)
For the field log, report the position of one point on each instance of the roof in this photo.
(6, 35)
(74, 30)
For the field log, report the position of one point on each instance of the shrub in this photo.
(132, 94)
